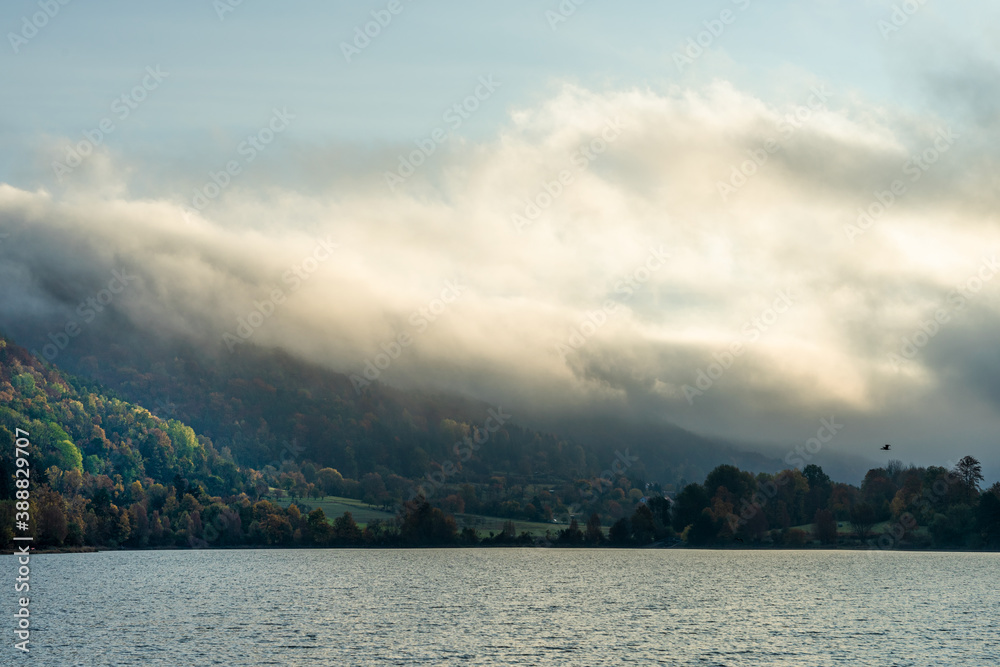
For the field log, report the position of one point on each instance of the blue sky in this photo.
(226, 74)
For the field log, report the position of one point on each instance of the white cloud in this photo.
(655, 184)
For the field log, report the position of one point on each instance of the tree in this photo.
(180, 485)
(878, 491)
(319, 529)
(820, 488)
(621, 532)
(594, 535)
(374, 489)
(330, 481)
(739, 483)
(423, 524)
(572, 535)
(643, 525)
(345, 529)
(988, 518)
(970, 471)
(862, 519)
(455, 504)
(794, 537)
(704, 530)
(825, 527)
(51, 512)
(954, 527)
(276, 529)
(660, 507)
(140, 525)
(688, 505)
(68, 457)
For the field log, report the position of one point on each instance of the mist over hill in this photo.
(264, 404)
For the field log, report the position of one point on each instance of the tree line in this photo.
(109, 473)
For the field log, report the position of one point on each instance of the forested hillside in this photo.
(106, 472)
(109, 472)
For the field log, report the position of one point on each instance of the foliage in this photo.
(106, 472)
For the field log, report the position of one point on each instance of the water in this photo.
(511, 607)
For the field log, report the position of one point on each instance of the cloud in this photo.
(549, 229)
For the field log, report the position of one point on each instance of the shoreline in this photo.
(77, 550)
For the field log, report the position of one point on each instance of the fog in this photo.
(741, 267)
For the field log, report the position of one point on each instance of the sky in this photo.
(737, 216)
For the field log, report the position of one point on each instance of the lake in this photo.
(577, 607)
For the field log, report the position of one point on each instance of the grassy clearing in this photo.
(334, 506)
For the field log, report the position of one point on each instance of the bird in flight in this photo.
(886, 447)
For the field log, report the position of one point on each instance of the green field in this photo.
(334, 506)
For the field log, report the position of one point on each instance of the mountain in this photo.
(75, 426)
(266, 406)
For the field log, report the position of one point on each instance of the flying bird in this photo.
(886, 447)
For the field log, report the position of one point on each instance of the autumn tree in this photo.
(704, 530)
(571, 536)
(594, 534)
(661, 506)
(620, 533)
(688, 506)
(320, 531)
(825, 527)
(51, 509)
(862, 519)
(374, 489)
(643, 525)
(970, 471)
(425, 525)
(345, 530)
(988, 516)
(820, 488)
